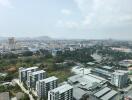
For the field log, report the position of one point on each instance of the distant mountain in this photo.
(43, 38)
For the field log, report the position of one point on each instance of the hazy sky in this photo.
(67, 18)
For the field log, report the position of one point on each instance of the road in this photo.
(23, 88)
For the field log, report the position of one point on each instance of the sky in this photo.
(78, 19)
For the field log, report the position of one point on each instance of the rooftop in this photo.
(85, 81)
(107, 67)
(49, 79)
(74, 78)
(109, 95)
(78, 93)
(38, 72)
(102, 92)
(79, 70)
(27, 69)
(62, 88)
(120, 72)
(102, 71)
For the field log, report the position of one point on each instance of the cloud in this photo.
(5, 3)
(84, 5)
(126, 18)
(105, 13)
(67, 24)
(66, 12)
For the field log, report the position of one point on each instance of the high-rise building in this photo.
(12, 43)
(23, 73)
(45, 85)
(33, 77)
(64, 92)
(119, 78)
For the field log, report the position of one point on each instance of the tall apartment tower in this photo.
(64, 92)
(45, 85)
(23, 73)
(33, 77)
(12, 43)
(119, 78)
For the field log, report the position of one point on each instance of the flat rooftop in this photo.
(74, 78)
(53, 78)
(107, 67)
(97, 77)
(109, 95)
(30, 68)
(102, 92)
(62, 88)
(102, 71)
(90, 78)
(79, 70)
(120, 72)
(38, 72)
(78, 93)
(86, 81)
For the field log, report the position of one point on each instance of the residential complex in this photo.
(64, 92)
(96, 84)
(33, 77)
(45, 85)
(24, 71)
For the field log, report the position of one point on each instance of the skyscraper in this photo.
(11, 43)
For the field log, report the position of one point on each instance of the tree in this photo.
(28, 53)
(25, 97)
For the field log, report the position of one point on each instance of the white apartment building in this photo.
(23, 73)
(45, 85)
(64, 92)
(33, 77)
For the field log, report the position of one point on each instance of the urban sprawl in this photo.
(65, 69)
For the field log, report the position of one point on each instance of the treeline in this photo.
(10, 55)
(79, 55)
(27, 58)
(116, 55)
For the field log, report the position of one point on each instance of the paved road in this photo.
(23, 88)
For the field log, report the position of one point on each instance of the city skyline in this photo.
(70, 19)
